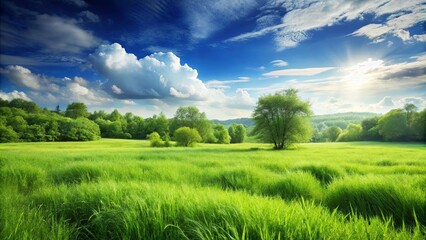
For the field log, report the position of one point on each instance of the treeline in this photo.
(22, 120)
(401, 125)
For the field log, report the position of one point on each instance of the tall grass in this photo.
(123, 189)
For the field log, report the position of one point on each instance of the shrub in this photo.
(187, 137)
(155, 140)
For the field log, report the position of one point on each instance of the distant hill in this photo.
(247, 122)
(320, 121)
(340, 119)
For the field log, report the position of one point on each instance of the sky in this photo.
(148, 57)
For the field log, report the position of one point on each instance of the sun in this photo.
(361, 73)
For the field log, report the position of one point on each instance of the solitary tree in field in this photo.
(187, 137)
(282, 119)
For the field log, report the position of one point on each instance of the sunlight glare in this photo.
(358, 74)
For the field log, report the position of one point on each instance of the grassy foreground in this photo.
(123, 189)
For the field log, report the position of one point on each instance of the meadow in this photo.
(125, 189)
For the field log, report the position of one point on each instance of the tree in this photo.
(98, 114)
(370, 129)
(332, 133)
(81, 129)
(18, 124)
(191, 117)
(27, 106)
(76, 110)
(187, 137)
(419, 125)
(410, 109)
(237, 132)
(159, 124)
(221, 134)
(282, 119)
(57, 109)
(7, 134)
(393, 125)
(350, 134)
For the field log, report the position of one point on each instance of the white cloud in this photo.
(14, 94)
(386, 102)
(419, 102)
(46, 89)
(58, 34)
(225, 83)
(116, 90)
(420, 38)
(303, 17)
(88, 15)
(22, 77)
(128, 102)
(207, 17)
(298, 72)
(279, 63)
(51, 33)
(159, 75)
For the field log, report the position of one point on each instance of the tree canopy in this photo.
(191, 117)
(282, 119)
(187, 137)
(76, 110)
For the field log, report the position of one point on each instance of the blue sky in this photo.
(148, 57)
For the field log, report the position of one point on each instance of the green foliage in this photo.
(370, 129)
(324, 173)
(393, 125)
(81, 129)
(221, 134)
(332, 133)
(378, 196)
(282, 119)
(187, 137)
(155, 140)
(350, 134)
(159, 124)
(27, 106)
(76, 110)
(7, 134)
(191, 117)
(237, 132)
(124, 189)
(341, 120)
(294, 186)
(419, 125)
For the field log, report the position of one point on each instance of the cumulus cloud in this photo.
(44, 88)
(386, 102)
(301, 18)
(298, 72)
(14, 94)
(22, 77)
(159, 75)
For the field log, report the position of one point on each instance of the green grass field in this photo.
(124, 189)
